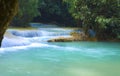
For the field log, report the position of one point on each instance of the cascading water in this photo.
(40, 32)
(16, 37)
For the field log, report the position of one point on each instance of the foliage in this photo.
(50, 11)
(102, 15)
(54, 11)
(28, 9)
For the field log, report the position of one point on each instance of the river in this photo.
(27, 53)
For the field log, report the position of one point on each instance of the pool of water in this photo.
(61, 59)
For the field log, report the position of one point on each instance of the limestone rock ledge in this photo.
(74, 37)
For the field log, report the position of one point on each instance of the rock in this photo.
(61, 39)
(8, 9)
(74, 37)
(78, 35)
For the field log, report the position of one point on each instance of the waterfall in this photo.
(11, 40)
(40, 32)
(16, 37)
(28, 33)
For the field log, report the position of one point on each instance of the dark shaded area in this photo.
(55, 12)
(55, 19)
(8, 9)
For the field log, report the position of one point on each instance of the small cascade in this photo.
(28, 33)
(11, 40)
(39, 33)
(16, 37)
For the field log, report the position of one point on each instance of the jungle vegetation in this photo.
(102, 16)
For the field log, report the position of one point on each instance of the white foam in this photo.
(9, 42)
(19, 48)
(11, 49)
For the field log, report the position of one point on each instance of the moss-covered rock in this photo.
(8, 9)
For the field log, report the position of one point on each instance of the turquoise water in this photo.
(62, 59)
(27, 53)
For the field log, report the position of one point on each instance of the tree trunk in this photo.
(8, 9)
